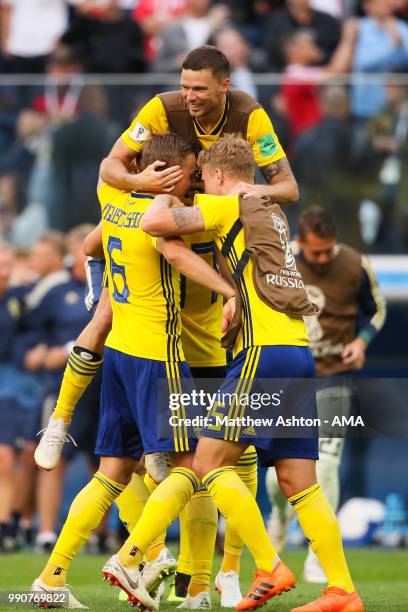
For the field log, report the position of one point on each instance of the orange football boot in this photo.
(334, 600)
(267, 585)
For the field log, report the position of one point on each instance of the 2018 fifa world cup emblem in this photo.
(314, 329)
(280, 227)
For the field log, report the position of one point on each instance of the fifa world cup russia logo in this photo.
(280, 227)
(314, 329)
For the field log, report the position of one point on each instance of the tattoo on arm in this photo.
(186, 216)
(279, 168)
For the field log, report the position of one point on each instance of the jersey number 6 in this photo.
(115, 244)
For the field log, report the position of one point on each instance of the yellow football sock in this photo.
(158, 543)
(162, 507)
(86, 512)
(320, 526)
(200, 516)
(184, 558)
(237, 504)
(81, 368)
(132, 501)
(247, 470)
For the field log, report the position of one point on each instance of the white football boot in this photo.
(49, 449)
(154, 572)
(202, 601)
(67, 601)
(227, 585)
(130, 580)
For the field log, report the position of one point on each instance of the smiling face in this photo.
(202, 92)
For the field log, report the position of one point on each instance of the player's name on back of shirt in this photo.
(121, 218)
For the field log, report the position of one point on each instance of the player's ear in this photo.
(220, 175)
(225, 84)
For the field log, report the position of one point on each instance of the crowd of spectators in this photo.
(52, 136)
(42, 310)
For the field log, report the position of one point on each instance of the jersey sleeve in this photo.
(265, 143)
(152, 119)
(219, 212)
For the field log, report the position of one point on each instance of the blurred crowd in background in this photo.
(345, 135)
(332, 74)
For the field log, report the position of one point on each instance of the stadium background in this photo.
(74, 74)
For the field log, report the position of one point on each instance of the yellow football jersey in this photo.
(152, 119)
(144, 288)
(201, 312)
(261, 324)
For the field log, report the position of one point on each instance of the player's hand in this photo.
(353, 354)
(228, 313)
(154, 179)
(247, 190)
(55, 358)
(34, 358)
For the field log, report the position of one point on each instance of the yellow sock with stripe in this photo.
(247, 470)
(199, 520)
(320, 526)
(158, 543)
(80, 370)
(131, 502)
(161, 509)
(237, 504)
(86, 512)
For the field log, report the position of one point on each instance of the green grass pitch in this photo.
(380, 575)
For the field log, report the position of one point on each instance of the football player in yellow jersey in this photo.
(261, 351)
(202, 111)
(143, 347)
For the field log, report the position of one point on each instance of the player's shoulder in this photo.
(171, 100)
(108, 193)
(242, 102)
(349, 255)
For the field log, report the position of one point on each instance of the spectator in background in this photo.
(15, 422)
(250, 17)
(56, 314)
(324, 163)
(299, 15)
(236, 49)
(380, 45)
(109, 41)
(24, 169)
(388, 132)
(301, 83)
(77, 150)
(197, 26)
(29, 32)
(154, 16)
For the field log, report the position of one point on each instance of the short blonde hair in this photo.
(232, 154)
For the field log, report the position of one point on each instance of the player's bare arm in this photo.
(281, 184)
(163, 220)
(193, 267)
(93, 243)
(116, 170)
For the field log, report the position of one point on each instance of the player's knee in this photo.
(117, 469)
(201, 467)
